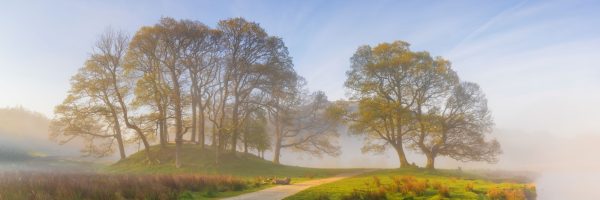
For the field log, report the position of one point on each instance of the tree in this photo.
(378, 79)
(112, 47)
(407, 97)
(255, 131)
(245, 46)
(75, 118)
(306, 126)
(91, 110)
(458, 127)
(173, 51)
(202, 68)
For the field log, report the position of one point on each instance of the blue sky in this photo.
(537, 61)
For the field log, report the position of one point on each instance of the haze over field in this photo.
(536, 61)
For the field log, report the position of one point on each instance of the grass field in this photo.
(419, 184)
(197, 161)
(200, 178)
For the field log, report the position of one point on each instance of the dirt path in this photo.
(282, 191)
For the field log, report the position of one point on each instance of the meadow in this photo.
(420, 184)
(201, 178)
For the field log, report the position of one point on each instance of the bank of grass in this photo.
(196, 160)
(47, 185)
(419, 184)
(248, 168)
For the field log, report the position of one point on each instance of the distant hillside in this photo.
(22, 130)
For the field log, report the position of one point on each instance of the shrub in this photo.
(411, 185)
(436, 185)
(495, 194)
(376, 181)
(396, 184)
(514, 194)
(506, 194)
(444, 191)
(469, 187)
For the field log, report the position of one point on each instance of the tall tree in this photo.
(143, 63)
(246, 48)
(201, 63)
(306, 127)
(112, 47)
(378, 80)
(172, 45)
(457, 127)
(93, 102)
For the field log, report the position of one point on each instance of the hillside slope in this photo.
(202, 161)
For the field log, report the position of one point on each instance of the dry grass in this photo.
(103, 186)
(469, 187)
(444, 191)
(526, 193)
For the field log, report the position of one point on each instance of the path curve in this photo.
(282, 191)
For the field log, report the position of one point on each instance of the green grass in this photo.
(455, 181)
(202, 161)
(196, 160)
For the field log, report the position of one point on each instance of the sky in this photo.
(537, 61)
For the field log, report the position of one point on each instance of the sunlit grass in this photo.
(202, 161)
(418, 184)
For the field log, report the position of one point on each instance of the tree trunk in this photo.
(430, 161)
(176, 95)
(119, 136)
(214, 142)
(235, 122)
(401, 156)
(278, 138)
(277, 152)
(162, 128)
(124, 110)
(246, 138)
(201, 136)
(117, 127)
(194, 108)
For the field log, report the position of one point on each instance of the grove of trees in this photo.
(233, 88)
(225, 87)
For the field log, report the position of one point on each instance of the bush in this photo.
(412, 185)
(376, 181)
(444, 191)
(495, 194)
(469, 187)
(514, 194)
(508, 194)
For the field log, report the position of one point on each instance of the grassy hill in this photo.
(420, 184)
(202, 161)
